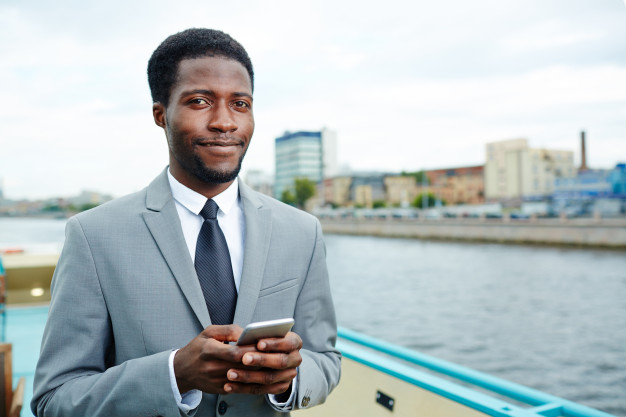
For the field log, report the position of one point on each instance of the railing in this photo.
(3, 293)
(367, 350)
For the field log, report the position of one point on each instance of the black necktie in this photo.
(214, 269)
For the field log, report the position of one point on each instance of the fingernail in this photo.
(228, 388)
(248, 359)
(232, 375)
(262, 345)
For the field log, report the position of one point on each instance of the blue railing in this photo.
(366, 350)
(3, 311)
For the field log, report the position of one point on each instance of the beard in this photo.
(188, 156)
(210, 175)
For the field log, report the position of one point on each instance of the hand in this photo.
(269, 369)
(203, 363)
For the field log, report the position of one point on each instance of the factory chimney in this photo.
(583, 153)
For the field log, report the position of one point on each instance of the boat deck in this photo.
(377, 377)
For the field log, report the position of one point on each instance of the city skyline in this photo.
(409, 86)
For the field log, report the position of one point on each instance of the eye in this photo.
(198, 101)
(241, 104)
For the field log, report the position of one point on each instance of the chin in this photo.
(217, 176)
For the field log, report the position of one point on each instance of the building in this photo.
(260, 181)
(592, 190)
(367, 188)
(303, 154)
(336, 191)
(400, 190)
(463, 185)
(516, 172)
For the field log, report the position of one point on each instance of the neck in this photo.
(209, 190)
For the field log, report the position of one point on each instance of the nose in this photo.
(221, 119)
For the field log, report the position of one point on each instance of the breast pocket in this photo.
(278, 300)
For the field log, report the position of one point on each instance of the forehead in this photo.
(214, 72)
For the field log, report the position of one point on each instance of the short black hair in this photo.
(189, 44)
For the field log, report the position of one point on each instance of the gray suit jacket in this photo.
(125, 293)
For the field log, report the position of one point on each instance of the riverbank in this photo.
(587, 233)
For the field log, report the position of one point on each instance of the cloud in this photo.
(405, 84)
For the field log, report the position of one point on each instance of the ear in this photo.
(158, 112)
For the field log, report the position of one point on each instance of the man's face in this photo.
(208, 121)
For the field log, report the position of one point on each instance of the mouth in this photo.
(217, 143)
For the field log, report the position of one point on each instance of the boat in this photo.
(27, 277)
(378, 378)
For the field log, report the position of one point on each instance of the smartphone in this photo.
(265, 329)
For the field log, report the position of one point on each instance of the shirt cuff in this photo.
(189, 400)
(287, 405)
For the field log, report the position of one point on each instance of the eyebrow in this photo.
(212, 93)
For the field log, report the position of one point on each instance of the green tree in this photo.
(419, 200)
(287, 197)
(88, 206)
(379, 204)
(305, 189)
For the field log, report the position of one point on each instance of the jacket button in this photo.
(305, 401)
(222, 407)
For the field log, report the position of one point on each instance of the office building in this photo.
(303, 154)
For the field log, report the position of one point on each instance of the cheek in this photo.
(176, 140)
(248, 127)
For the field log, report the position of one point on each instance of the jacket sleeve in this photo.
(321, 363)
(76, 374)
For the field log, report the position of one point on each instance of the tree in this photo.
(419, 200)
(287, 197)
(379, 204)
(305, 189)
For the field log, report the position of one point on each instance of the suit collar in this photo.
(258, 233)
(158, 193)
(162, 220)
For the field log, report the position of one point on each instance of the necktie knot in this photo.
(209, 211)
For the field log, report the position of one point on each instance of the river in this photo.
(553, 319)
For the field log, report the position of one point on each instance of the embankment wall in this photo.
(581, 233)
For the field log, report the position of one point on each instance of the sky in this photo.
(407, 85)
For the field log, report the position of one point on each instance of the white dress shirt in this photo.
(232, 222)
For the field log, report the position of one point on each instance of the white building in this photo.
(513, 170)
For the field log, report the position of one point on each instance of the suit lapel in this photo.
(164, 225)
(258, 231)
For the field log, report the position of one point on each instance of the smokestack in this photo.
(583, 152)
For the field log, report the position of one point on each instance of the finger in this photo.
(256, 389)
(214, 349)
(272, 360)
(261, 377)
(285, 344)
(223, 333)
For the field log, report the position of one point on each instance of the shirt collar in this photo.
(194, 202)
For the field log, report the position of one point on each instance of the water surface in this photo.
(549, 318)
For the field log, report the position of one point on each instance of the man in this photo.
(132, 325)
